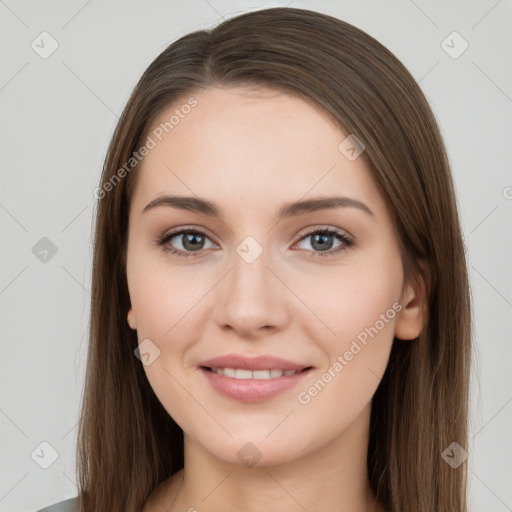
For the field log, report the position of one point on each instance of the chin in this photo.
(258, 452)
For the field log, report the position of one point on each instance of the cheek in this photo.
(162, 295)
(168, 301)
(165, 301)
(352, 300)
(362, 315)
(365, 313)
(359, 308)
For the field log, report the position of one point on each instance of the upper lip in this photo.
(263, 362)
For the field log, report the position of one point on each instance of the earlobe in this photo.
(410, 320)
(131, 319)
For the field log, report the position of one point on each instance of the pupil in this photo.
(192, 237)
(320, 239)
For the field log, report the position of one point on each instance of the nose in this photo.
(252, 301)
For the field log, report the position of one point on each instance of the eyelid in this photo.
(181, 229)
(304, 232)
(323, 227)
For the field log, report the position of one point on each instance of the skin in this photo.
(250, 151)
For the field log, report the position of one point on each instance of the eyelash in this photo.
(162, 241)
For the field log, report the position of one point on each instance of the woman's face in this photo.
(259, 278)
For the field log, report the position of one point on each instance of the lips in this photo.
(252, 379)
(264, 362)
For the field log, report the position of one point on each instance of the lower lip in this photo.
(252, 390)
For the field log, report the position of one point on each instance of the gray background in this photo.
(57, 117)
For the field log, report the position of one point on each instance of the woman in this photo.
(280, 307)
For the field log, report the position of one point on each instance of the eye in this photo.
(322, 241)
(191, 240)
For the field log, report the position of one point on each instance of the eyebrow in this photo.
(195, 204)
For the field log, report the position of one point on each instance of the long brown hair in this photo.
(127, 442)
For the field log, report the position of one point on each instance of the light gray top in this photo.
(70, 505)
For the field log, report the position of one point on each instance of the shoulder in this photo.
(70, 505)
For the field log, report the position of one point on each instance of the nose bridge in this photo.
(251, 297)
(250, 278)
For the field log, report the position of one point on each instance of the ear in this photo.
(131, 319)
(410, 320)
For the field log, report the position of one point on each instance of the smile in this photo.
(243, 374)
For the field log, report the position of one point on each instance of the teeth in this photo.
(238, 373)
(243, 374)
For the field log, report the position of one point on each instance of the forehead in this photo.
(256, 146)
